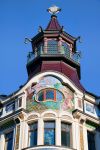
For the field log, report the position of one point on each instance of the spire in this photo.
(54, 24)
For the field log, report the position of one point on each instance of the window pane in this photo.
(10, 107)
(52, 47)
(40, 96)
(91, 141)
(49, 94)
(20, 101)
(59, 96)
(33, 126)
(49, 133)
(33, 138)
(9, 141)
(65, 134)
(33, 134)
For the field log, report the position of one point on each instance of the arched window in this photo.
(49, 133)
(32, 140)
(50, 94)
(65, 134)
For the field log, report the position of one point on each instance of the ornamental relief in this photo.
(62, 97)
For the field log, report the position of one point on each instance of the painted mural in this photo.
(67, 103)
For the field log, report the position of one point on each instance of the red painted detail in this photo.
(53, 24)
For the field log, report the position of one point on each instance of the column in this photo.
(85, 137)
(40, 139)
(77, 134)
(71, 53)
(60, 50)
(58, 132)
(2, 142)
(45, 45)
(74, 135)
(23, 134)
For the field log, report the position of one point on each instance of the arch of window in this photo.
(50, 94)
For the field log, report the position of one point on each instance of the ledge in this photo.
(40, 147)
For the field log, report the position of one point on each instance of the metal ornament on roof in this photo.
(54, 10)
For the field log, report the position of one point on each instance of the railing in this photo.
(51, 50)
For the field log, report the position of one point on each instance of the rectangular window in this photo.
(90, 108)
(49, 94)
(91, 140)
(10, 107)
(20, 101)
(49, 133)
(33, 134)
(65, 134)
(9, 141)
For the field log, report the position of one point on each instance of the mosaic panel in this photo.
(49, 82)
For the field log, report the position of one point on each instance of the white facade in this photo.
(82, 117)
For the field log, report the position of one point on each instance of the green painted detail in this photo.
(57, 85)
(90, 126)
(49, 82)
(38, 106)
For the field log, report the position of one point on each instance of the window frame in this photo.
(32, 130)
(54, 121)
(6, 140)
(93, 133)
(44, 94)
(11, 105)
(70, 124)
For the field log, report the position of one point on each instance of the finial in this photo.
(54, 10)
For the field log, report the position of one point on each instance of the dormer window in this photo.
(50, 94)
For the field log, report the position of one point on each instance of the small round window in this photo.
(50, 94)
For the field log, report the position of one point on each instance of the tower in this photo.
(52, 111)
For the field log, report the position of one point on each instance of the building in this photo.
(52, 111)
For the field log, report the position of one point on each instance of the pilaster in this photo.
(58, 132)
(40, 132)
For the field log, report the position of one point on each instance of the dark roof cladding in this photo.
(53, 24)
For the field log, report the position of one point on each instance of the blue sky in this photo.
(21, 18)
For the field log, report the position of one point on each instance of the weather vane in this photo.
(54, 10)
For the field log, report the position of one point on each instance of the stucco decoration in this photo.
(17, 137)
(67, 103)
(81, 139)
